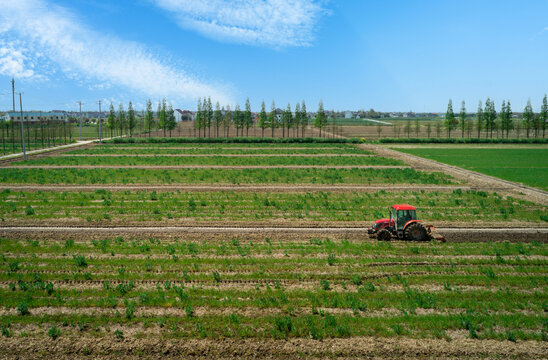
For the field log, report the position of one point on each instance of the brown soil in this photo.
(155, 347)
(358, 233)
(215, 155)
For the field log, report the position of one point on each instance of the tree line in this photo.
(291, 122)
(487, 118)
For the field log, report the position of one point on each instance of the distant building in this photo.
(34, 116)
(348, 114)
(184, 115)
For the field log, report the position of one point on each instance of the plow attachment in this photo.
(433, 233)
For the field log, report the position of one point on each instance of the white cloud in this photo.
(276, 23)
(53, 32)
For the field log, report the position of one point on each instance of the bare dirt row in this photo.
(351, 348)
(167, 167)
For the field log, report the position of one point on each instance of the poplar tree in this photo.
(198, 118)
(506, 118)
(528, 116)
(298, 117)
(121, 118)
(544, 115)
(479, 119)
(462, 117)
(490, 115)
(208, 116)
(272, 118)
(287, 118)
(227, 120)
(320, 119)
(111, 119)
(162, 117)
(263, 119)
(171, 122)
(237, 116)
(149, 117)
(247, 118)
(450, 120)
(217, 117)
(304, 118)
(131, 122)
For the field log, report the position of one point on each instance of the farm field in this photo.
(138, 258)
(527, 165)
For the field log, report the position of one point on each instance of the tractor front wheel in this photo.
(384, 235)
(416, 232)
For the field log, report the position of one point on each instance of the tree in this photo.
(321, 118)
(287, 118)
(528, 117)
(450, 120)
(111, 119)
(428, 130)
(171, 122)
(217, 117)
(121, 118)
(131, 122)
(198, 120)
(479, 119)
(149, 117)
(238, 119)
(304, 118)
(462, 117)
(544, 115)
(297, 119)
(506, 118)
(208, 116)
(263, 119)
(162, 117)
(227, 120)
(490, 115)
(273, 118)
(247, 118)
(407, 127)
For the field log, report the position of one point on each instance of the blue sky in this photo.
(384, 54)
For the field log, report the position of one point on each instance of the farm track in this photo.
(237, 167)
(472, 177)
(454, 234)
(155, 347)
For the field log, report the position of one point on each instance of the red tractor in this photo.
(403, 224)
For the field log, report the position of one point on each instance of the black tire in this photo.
(384, 235)
(416, 232)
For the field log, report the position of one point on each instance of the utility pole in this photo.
(99, 102)
(80, 104)
(13, 92)
(22, 129)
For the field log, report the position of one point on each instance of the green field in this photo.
(526, 166)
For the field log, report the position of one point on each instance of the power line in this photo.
(80, 103)
(22, 126)
(99, 102)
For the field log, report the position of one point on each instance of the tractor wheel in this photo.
(384, 235)
(416, 232)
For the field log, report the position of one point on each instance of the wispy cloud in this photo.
(43, 29)
(276, 23)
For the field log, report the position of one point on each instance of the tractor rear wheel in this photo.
(384, 235)
(416, 232)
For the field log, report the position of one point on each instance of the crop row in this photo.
(216, 151)
(221, 176)
(139, 206)
(211, 160)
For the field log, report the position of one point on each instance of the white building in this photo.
(34, 116)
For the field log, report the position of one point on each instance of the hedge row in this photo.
(242, 140)
(461, 141)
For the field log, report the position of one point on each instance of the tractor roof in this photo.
(403, 207)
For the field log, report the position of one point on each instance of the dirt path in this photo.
(236, 167)
(475, 179)
(452, 234)
(238, 188)
(155, 347)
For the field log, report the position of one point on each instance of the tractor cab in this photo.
(401, 216)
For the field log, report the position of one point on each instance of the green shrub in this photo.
(29, 210)
(23, 309)
(189, 310)
(325, 285)
(80, 260)
(216, 277)
(118, 334)
(331, 259)
(283, 324)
